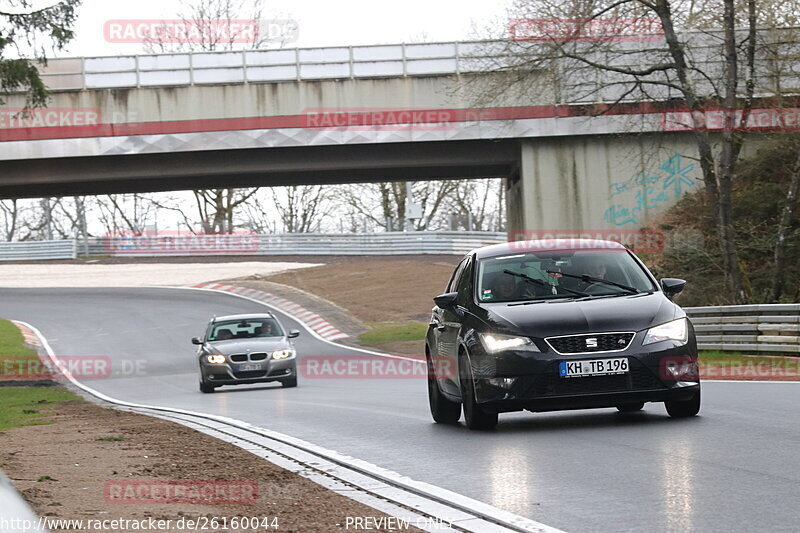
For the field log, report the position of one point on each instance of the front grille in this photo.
(592, 342)
(249, 374)
(244, 357)
(639, 377)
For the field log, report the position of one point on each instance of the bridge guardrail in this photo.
(389, 243)
(37, 250)
(245, 66)
(773, 328)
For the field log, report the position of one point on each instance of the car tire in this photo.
(289, 382)
(683, 408)
(630, 407)
(443, 410)
(206, 388)
(475, 415)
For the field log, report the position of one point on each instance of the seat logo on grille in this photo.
(591, 342)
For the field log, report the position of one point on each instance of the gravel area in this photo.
(90, 460)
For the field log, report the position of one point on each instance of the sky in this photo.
(321, 23)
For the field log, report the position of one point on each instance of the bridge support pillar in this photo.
(598, 183)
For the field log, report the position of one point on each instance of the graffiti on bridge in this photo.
(630, 199)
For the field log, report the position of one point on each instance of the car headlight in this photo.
(676, 330)
(215, 358)
(282, 354)
(493, 342)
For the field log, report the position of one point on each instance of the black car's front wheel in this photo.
(443, 410)
(475, 415)
(683, 408)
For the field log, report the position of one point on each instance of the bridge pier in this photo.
(599, 182)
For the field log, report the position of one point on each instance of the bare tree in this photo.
(10, 211)
(215, 25)
(701, 55)
(301, 207)
(125, 213)
(216, 207)
(784, 225)
(383, 205)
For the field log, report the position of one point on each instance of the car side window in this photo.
(452, 284)
(464, 287)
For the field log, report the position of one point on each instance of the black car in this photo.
(242, 349)
(558, 324)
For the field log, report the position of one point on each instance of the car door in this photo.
(443, 337)
(452, 320)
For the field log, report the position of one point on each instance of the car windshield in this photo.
(244, 329)
(559, 274)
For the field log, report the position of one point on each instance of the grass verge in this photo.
(383, 332)
(22, 406)
(14, 355)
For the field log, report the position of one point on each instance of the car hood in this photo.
(621, 313)
(267, 344)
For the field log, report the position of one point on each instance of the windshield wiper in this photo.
(587, 279)
(542, 283)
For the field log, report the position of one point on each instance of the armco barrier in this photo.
(773, 328)
(388, 243)
(37, 250)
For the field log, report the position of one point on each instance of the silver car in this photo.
(242, 349)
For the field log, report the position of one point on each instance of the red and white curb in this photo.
(315, 322)
(31, 339)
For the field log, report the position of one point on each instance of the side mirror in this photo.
(446, 300)
(293, 334)
(672, 286)
(197, 340)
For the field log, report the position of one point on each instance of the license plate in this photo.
(249, 366)
(593, 367)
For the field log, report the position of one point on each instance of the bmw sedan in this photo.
(242, 349)
(558, 324)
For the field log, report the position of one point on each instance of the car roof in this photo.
(249, 316)
(545, 245)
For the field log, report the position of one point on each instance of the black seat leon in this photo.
(558, 324)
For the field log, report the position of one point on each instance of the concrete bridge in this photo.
(334, 115)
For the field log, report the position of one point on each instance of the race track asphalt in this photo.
(736, 467)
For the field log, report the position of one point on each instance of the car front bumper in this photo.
(227, 374)
(514, 381)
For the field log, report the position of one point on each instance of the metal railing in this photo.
(578, 82)
(771, 328)
(390, 243)
(37, 250)
(262, 66)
